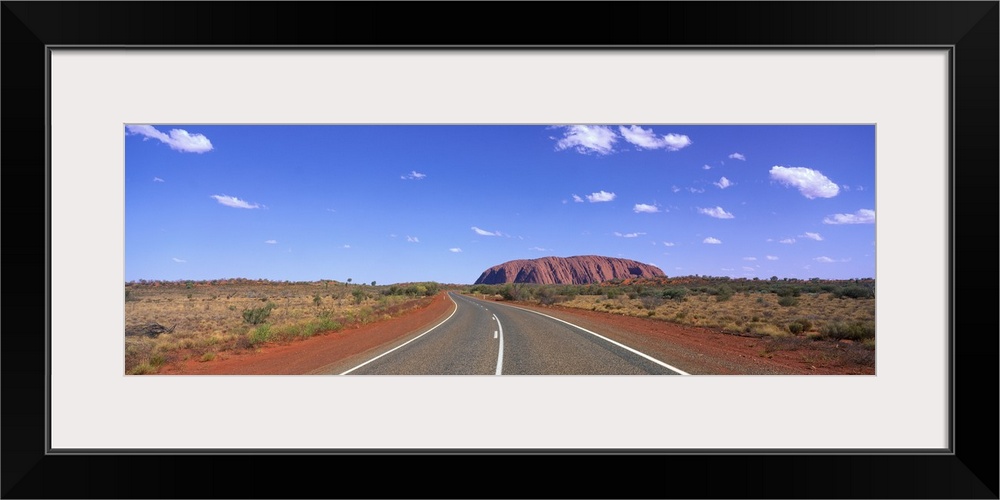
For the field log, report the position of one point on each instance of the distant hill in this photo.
(579, 270)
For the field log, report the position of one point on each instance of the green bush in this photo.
(787, 301)
(799, 326)
(652, 302)
(853, 331)
(327, 324)
(855, 292)
(260, 335)
(546, 296)
(258, 315)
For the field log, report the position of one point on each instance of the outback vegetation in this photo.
(786, 312)
(168, 321)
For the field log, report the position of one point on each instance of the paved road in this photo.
(486, 338)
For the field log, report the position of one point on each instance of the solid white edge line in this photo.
(623, 346)
(500, 354)
(411, 340)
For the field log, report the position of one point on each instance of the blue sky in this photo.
(402, 203)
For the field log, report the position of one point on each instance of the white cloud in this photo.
(641, 137)
(668, 243)
(812, 236)
(723, 183)
(629, 235)
(455, 250)
(587, 139)
(413, 239)
(347, 246)
(748, 269)
(483, 232)
(696, 190)
(712, 241)
(749, 258)
(640, 208)
(157, 179)
(772, 257)
(706, 167)
(175, 259)
(232, 201)
(577, 199)
(845, 187)
(413, 175)
(600, 196)
(811, 183)
(826, 260)
(271, 242)
(863, 216)
(178, 139)
(676, 141)
(675, 189)
(716, 212)
(737, 156)
(646, 139)
(787, 241)
(540, 249)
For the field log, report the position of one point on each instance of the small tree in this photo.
(373, 282)
(348, 281)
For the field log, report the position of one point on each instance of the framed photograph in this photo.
(153, 102)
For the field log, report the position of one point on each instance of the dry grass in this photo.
(207, 319)
(752, 313)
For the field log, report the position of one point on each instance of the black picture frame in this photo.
(969, 470)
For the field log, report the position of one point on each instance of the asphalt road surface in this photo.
(486, 338)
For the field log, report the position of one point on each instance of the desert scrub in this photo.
(137, 353)
(788, 301)
(800, 325)
(213, 319)
(142, 369)
(258, 315)
(260, 335)
(767, 329)
(852, 331)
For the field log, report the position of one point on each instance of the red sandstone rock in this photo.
(577, 270)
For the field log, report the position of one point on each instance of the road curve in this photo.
(486, 338)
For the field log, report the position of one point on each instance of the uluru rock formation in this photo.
(579, 270)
